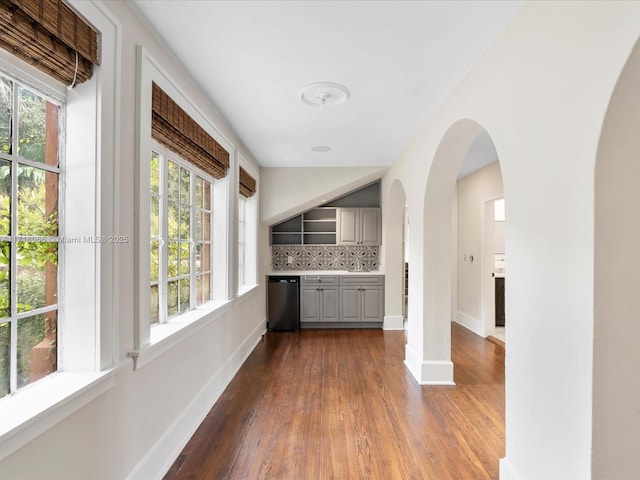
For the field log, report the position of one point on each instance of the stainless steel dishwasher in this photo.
(283, 303)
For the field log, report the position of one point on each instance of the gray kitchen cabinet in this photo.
(320, 299)
(361, 304)
(362, 298)
(359, 226)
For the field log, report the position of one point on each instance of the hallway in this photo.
(338, 404)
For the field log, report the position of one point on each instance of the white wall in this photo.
(472, 190)
(287, 191)
(541, 91)
(139, 426)
(616, 357)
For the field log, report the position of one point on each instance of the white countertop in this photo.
(320, 272)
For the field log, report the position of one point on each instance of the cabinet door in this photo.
(310, 304)
(372, 298)
(347, 228)
(350, 304)
(370, 227)
(329, 304)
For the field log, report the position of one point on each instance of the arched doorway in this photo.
(480, 237)
(616, 356)
(394, 262)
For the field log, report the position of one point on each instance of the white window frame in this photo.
(167, 156)
(151, 341)
(87, 328)
(16, 161)
(247, 279)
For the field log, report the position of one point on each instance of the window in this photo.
(29, 179)
(182, 213)
(180, 236)
(247, 219)
(242, 243)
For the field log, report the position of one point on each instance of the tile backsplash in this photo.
(325, 257)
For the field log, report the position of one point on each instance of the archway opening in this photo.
(395, 250)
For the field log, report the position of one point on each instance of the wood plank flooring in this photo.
(340, 404)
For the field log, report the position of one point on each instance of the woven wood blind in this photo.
(247, 184)
(176, 130)
(50, 36)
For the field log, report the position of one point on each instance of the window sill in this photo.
(245, 292)
(165, 336)
(31, 411)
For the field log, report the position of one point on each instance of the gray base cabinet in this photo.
(320, 301)
(342, 300)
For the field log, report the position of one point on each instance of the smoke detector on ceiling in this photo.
(324, 94)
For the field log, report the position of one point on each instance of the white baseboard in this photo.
(470, 322)
(393, 322)
(159, 459)
(429, 372)
(507, 472)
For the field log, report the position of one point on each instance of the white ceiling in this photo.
(399, 59)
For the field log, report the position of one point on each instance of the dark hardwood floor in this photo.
(340, 404)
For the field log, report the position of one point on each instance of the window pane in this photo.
(199, 265)
(37, 202)
(172, 220)
(172, 298)
(206, 288)
(185, 179)
(37, 355)
(154, 304)
(172, 259)
(173, 173)
(185, 222)
(198, 290)
(155, 261)
(5, 198)
(185, 293)
(155, 217)
(37, 275)
(206, 194)
(199, 226)
(5, 335)
(37, 128)
(206, 225)
(206, 257)
(184, 258)
(5, 269)
(198, 192)
(6, 105)
(154, 173)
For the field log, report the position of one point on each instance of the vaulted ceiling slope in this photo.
(399, 60)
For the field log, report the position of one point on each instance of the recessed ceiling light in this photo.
(324, 94)
(321, 148)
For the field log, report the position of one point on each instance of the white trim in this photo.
(470, 323)
(507, 471)
(393, 322)
(36, 408)
(428, 372)
(161, 456)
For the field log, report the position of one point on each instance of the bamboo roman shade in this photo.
(247, 184)
(176, 130)
(50, 36)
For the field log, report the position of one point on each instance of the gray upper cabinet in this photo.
(359, 226)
